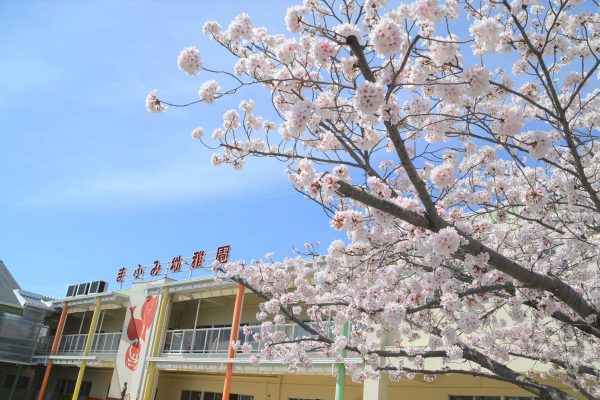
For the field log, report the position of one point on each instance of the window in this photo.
(520, 398)
(195, 395)
(492, 398)
(67, 386)
(302, 398)
(464, 398)
(190, 395)
(10, 380)
(240, 397)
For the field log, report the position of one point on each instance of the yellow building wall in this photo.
(282, 387)
(317, 386)
(262, 387)
(452, 384)
(170, 385)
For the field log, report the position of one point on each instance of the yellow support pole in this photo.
(88, 347)
(151, 371)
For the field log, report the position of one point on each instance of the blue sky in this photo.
(91, 182)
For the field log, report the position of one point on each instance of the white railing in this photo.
(69, 344)
(216, 340)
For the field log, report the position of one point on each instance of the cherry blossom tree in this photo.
(457, 145)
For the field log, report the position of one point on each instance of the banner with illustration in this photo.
(134, 345)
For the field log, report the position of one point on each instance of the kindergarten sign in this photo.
(177, 264)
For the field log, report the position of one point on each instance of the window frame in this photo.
(499, 397)
(215, 395)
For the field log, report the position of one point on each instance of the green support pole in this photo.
(340, 384)
(16, 381)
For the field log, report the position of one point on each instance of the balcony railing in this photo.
(210, 341)
(103, 343)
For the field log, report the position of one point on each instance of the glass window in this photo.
(520, 398)
(197, 395)
(22, 384)
(302, 398)
(240, 397)
(185, 395)
(67, 386)
(461, 397)
(59, 387)
(487, 397)
(86, 388)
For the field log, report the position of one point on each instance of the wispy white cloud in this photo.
(177, 181)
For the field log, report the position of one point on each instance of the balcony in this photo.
(215, 341)
(103, 343)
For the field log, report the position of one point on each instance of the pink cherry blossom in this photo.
(369, 97)
(386, 38)
(189, 61)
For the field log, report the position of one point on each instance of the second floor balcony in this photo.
(215, 341)
(103, 343)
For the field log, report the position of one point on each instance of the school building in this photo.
(169, 339)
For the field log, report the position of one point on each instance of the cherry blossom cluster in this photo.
(369, 97)
(208, 91)
(189, 61)
(324, 51)
(240, 28)
(153, 104)
(386, 38)
(485, 31)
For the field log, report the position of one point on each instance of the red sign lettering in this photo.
(176, 264)
(121, 275)
(198, 260)
(223, 254)
(156, 269)
(139, 272)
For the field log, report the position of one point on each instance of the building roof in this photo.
(28, 299)
(7, 286)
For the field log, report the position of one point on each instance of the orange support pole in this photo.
(57, 336)
(235, 328)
